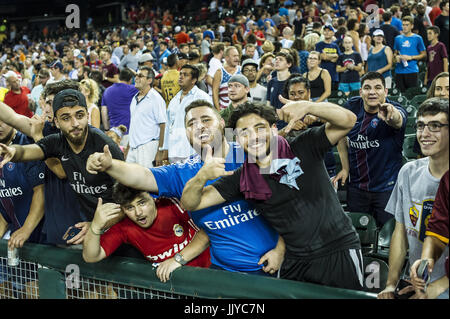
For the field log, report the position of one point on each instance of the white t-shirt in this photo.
(411, 203)
(214, 65)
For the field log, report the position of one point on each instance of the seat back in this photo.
(375, 274)
(366, 228)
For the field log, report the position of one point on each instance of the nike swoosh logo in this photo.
(64, 158)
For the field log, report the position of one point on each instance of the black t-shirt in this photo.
(310, 220)
(349, 76)
(443, 23)
(88, 187)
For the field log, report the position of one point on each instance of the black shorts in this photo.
(341, 269)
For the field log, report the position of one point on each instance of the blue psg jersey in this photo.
(374, 149)
(17, 181)
(238, 234)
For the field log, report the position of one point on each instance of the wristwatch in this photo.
(179, 259)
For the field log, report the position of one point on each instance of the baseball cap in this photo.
(177, 29)
(56, 64)
(182, 56)
(378, 32)
(240, 79)
(329, 27)
(146, 57)
(76, 53)
(68, 97)
(249, 62)
(193, 55)
(11, 73)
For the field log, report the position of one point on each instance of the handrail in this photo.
(187, 281)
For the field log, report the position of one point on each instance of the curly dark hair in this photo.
(55, 87)
(266, 112)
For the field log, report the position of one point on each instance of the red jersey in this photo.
(171, 231)
(19, 102)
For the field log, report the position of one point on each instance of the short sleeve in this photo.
(112, 239)
(169, 181)
(395, 203)
(229, 186)
(314, 141)
(50, 145)
(35, 173)
(438, 223)
(420, 45)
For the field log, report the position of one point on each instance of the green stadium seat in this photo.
(412, 110)
(417, 100)
(338, 100)
(375, 274)
(410, 93)
(366, 228)
(399, 99)
(393, 92)
(410, 123)
(384, 240)
(408, 147)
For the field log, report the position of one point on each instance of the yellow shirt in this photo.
(3, 92)
(169, 84)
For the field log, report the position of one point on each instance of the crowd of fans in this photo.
(83, 114)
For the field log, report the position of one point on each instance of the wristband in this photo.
(101, 232)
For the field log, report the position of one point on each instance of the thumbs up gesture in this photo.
(100, 161)
(214, 167)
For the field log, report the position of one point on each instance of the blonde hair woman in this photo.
(91, 92)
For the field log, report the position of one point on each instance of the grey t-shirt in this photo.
(411, 203)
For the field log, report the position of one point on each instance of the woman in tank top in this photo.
(380, 58)
(90, 90)
(319, 79)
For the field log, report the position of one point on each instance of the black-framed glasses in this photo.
(433, 126)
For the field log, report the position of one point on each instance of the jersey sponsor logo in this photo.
(80, 186)
(10, 192)
(234, 217)
(406, 44)
(64, 158)
(362, 142)
(178, 230)
(169, 253)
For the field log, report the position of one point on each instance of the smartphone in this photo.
(70, 233)
(422, 272)
(402, 283)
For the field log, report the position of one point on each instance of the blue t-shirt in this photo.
(331, 48)
(17, 181)
(62, 209)
(239, 236)
(411, 45)
(397, 23)
(375, 149)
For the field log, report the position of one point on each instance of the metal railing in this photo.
(49, 272)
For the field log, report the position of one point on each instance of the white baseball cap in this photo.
(378, 32)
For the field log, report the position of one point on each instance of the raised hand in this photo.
(6, 154)
(37, 125)
(214, 167)
(386, 112)
(105, 214)
(99, 162)
(292, 111)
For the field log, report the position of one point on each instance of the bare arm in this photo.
(389, 57)
(105, 117)
(129, 174)
(95, 117)
(397, 254)
(215, 88)
(18, 121)
(327, 86)
(20, 153)
(55, 166)
(35, 214)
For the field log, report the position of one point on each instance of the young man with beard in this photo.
(289, 185)
(71, 146)
(239, 238)
(413, 198)
(159, 228)
(59, 195)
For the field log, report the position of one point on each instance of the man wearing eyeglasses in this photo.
(147, 120)
(413, 198)
(374, 147)
(258, 93)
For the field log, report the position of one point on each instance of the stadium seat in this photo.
(422, 66)
(410, 93)
(399, 99)
(410, 123)
(366, 227)
(408, 147)
(338, 100)
(412, 110)
(393, 92)
(375, 274)
(384, 240)
(418, 99)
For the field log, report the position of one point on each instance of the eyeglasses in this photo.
(432, 126)
(249, 71)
